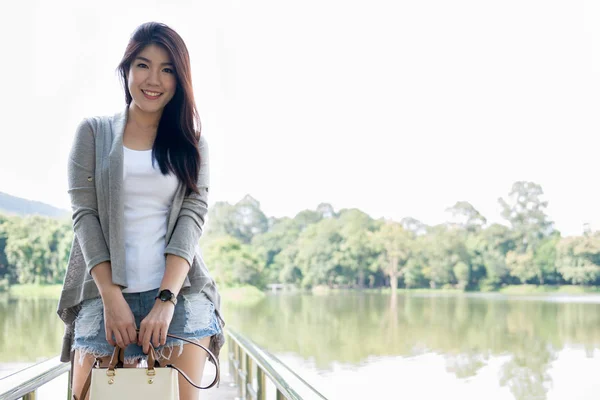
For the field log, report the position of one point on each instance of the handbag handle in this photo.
(117, 360)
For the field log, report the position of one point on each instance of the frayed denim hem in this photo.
(194, 318)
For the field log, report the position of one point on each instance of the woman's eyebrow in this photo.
(150, 62)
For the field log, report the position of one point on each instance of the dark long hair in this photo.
(176, 144)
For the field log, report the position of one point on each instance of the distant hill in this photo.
(19, 206)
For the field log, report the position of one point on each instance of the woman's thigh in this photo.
(194, 319)
(191, 361)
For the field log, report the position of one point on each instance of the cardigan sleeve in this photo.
(84, 202)
(190, 222)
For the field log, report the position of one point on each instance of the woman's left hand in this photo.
(154, 328)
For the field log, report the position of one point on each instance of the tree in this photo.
(544, 260)
(491, 247)
(521, 265)
(37, 249)
(243, 220)
(526, 213)
(283, 234)
(578, 259)
(319, 255)
(6, 271)
(466, 216)
(414, 225)
(396, 246)
(306, 218)
(356, 246)
(444, 249)
(234, 263)
(325, 210)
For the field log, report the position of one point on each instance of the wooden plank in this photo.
(227, 389)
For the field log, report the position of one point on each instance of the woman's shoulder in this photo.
(101, 123)
(106, 119)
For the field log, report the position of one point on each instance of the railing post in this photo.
(249, 378)
(243, 372)
(237, 366)
(69, 387)
(261, 390)
(30, 396)
(280, 395)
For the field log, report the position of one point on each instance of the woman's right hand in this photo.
(118, 319)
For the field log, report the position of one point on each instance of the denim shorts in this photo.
(194, 318)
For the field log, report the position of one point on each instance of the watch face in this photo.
(166, 295)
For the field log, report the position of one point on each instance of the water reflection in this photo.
(479, 345)
(30, 330)
(468, 331)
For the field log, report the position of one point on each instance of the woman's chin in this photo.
(148, 108)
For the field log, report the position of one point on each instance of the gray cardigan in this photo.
(95, 175)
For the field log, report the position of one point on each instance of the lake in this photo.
(357, 345)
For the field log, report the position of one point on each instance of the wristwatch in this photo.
(167, 295)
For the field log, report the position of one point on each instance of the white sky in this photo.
(399, 108)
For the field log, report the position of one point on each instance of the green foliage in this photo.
(526, 213)
(462, 273)
(35, 248)
(328, 249)
(396, 247)
(233, 262)
(521, 266)
(578, 259)
(243, 220)
(4, 285)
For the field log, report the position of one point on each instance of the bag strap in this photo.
(88, 381)
(118, 357)
(210, 354)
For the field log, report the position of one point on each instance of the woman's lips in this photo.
(151, 95)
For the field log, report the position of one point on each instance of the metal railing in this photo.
(249, 364)
(25, 383)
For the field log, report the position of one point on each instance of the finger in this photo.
(125, 335)
(146, 340)
(109, 336)
(132, 334)
(163, 336)
(156, 336)
(119, 339)
(141, 333)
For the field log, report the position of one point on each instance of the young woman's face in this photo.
(151, 80)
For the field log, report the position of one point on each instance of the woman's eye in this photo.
(142, 65)
(168, 70)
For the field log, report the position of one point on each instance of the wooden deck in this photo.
(227, 389)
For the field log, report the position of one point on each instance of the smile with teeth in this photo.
(151, 94)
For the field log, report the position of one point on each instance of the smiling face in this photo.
(151, 79)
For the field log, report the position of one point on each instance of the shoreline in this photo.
(245, 293)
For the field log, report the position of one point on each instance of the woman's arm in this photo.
(84, 203)
(180, 255)
(190, 222)
(118, 318)
(155, 325)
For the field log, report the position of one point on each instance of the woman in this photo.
(138, 183)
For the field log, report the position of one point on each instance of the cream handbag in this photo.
(153, 382)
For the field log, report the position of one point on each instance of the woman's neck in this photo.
(146, 122)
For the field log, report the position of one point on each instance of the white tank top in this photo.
(148, 197)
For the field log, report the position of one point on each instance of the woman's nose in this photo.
(154, 78)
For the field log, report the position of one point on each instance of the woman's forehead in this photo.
(155, 53)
